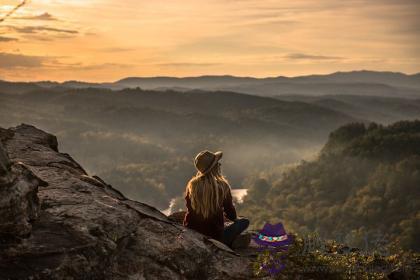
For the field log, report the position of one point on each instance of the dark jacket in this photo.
(212, 226)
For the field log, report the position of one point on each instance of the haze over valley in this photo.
(143, 140)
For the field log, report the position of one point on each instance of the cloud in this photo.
(47, 38)
(44, 16)
(88, 67)
(116, 49)
(187, 64)
(7, 39)
(39, 33)
(302, 56)
(274, 22)
(103, 66)
(16, 61)
(11, 12)
(39, 29)
(10, 60)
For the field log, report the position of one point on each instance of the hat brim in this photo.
(283, 243)
(217, 156)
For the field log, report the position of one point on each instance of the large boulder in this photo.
(86, 229)
(19, 203)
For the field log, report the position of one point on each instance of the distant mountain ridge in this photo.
(363, 76)
(362, 82)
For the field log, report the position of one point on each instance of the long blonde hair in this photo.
(207, 191)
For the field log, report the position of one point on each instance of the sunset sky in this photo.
(105, 40)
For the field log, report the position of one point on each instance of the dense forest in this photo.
(362, 188)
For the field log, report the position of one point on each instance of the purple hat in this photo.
(273, 235)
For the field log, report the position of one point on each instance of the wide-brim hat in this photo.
(273, 235)
(206, 160)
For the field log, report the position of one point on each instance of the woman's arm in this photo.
(228, 206)
(189, 208)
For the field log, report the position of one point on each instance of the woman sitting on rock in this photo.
(208, 196)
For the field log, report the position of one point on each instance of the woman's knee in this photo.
(244, 222)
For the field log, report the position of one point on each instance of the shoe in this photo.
(241, 241)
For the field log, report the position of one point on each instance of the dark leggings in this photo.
(230, 232)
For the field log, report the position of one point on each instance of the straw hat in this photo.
(206, 160)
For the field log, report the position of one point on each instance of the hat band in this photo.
(272, 238)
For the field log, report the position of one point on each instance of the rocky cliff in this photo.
(57, 222)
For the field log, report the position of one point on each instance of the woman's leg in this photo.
(233, 230)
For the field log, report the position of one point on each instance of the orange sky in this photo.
(105, 40)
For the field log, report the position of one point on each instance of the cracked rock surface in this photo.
(57, 222)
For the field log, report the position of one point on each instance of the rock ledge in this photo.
(57, 222)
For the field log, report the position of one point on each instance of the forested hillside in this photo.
(364, 185)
